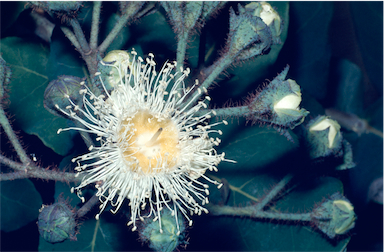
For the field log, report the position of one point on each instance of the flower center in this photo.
(152, 143)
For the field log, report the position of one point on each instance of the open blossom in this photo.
(153, 149)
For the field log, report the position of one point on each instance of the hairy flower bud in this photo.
(248, 36)
(184, 16)
(166, 239)
(112, 73)
(59, 7)
(278, 103)
(323, 137)
(269, 16)
(59, 90)
(334, 216)
(57, 223)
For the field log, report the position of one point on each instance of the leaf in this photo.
(20, 204)
(28, 61)
(350, 91)
(227, 233)
(369, 35)
(95, 235)
(63, 58)
(307, 50)
(253, 147)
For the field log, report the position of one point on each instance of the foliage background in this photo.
(335, 53)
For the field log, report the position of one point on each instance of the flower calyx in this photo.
(269, 16)
(278, 103)
(57, 222)
(335, 216)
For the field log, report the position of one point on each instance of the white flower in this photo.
(152, 147)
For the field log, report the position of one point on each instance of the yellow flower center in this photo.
(152, 143)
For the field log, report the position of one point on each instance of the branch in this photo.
(13, 138)
(69, 34)
(95, 24)
(33, 171)
(80, 36)
(116, 30)
(87, 206)
(272, 194)
(250, 211)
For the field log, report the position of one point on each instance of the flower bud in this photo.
(57, 223)
(65, 10)
(70, 7)
(334, 216)
(323, 137)
(278, 103)
(269, 16)
(185, 16)
(59, 90)
(112, 75)
(248, 36)
(169, 237)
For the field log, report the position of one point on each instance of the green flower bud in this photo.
(57, 223)
(166, 238)
(248, 36)
(58, 6)
(185, 16)
(278, 103)
(59, 91)
(112, 75)
(334, 216)
(269, 16)
(323, 137)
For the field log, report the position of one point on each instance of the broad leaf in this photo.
(228, 233)
(28, 62)
(253, 147)
(20, 204)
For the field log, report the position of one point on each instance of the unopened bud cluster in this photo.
(59, 90)
(57, 223)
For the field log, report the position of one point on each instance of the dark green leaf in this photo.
(369, 33)
(20, 204)
(227, 233)
(63, 58)
(307, 50)
(94, 235)
(254, 147)
(28, 62)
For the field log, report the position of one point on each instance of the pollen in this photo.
(152, 143)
